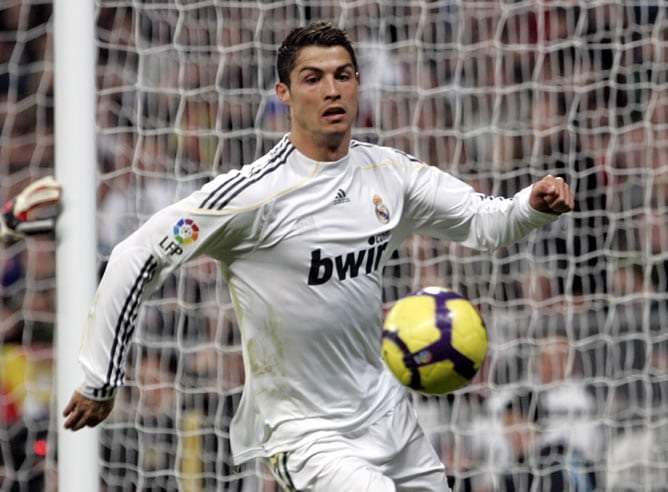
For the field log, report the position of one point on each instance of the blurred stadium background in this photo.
(496, 92)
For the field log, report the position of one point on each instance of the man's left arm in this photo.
(551, 195)
(501, 221)
(446, 207)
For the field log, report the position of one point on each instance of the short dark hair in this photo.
(318, 33)
(526, 404)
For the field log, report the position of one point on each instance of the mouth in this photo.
(334, 113)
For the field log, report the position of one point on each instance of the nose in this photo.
(331, 89)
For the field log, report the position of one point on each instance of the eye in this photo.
(311, 79)
(345, 75)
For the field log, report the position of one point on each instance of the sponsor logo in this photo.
(171, 247)
(348, 265)
(186, 231)
(340, 198)
(382, 213)
(423, 357)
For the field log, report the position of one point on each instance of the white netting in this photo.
(499, 93)
(26, 268)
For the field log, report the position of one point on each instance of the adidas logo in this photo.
(340, 197)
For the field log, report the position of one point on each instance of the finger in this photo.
(83, 420)
(69, 407)
(566, 196)
(559, 189)
(561, 206)
(556, 202)
(77, 417)
(553, 197)
(550, 186)
(545, 188)
(73, 422)
(80, 424)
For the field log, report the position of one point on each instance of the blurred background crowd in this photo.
(496, 92)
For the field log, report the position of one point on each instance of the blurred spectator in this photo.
(637, 460)
(571, 416)
(142, 436)
(143, 184)
(576, 271)
(568, 406)
(540, 465)
(23, 448)
(637, 354)
(491, 91)
(381, 70)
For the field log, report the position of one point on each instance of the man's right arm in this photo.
(137, 267)
(129, 277)
(83, 412)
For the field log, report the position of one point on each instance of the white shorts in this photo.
(391, 455)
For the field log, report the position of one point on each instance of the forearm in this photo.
(111, 320)
(499, 222)
(137, 266)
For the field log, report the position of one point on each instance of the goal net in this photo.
(498, 93)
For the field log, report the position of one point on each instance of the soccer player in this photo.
(302, 235)
(32, 211)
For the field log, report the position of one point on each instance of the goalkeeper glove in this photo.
(33, 210)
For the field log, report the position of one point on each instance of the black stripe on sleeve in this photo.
(270, 168)
(410, 157)
(222, 189)
(228, 186)
(125, 326)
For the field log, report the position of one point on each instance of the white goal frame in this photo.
(75, 137)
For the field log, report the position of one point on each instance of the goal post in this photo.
(76, 235)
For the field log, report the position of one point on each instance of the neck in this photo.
(324, 149)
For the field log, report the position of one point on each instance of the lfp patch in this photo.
(186, 231)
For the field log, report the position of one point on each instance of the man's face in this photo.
(519, 432)
(323, 94)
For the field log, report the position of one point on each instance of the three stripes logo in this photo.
(238, 181)
(340, 198)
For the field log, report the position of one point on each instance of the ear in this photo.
(283, 93)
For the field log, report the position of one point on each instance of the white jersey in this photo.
(302, 245)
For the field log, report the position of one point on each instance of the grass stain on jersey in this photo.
(266, 355)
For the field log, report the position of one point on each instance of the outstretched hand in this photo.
(552, 195)
(82, 411)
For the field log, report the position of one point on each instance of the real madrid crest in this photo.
(382, 213)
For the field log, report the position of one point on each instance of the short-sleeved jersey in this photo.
(302, 245)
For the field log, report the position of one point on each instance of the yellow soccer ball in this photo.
(434, 340)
